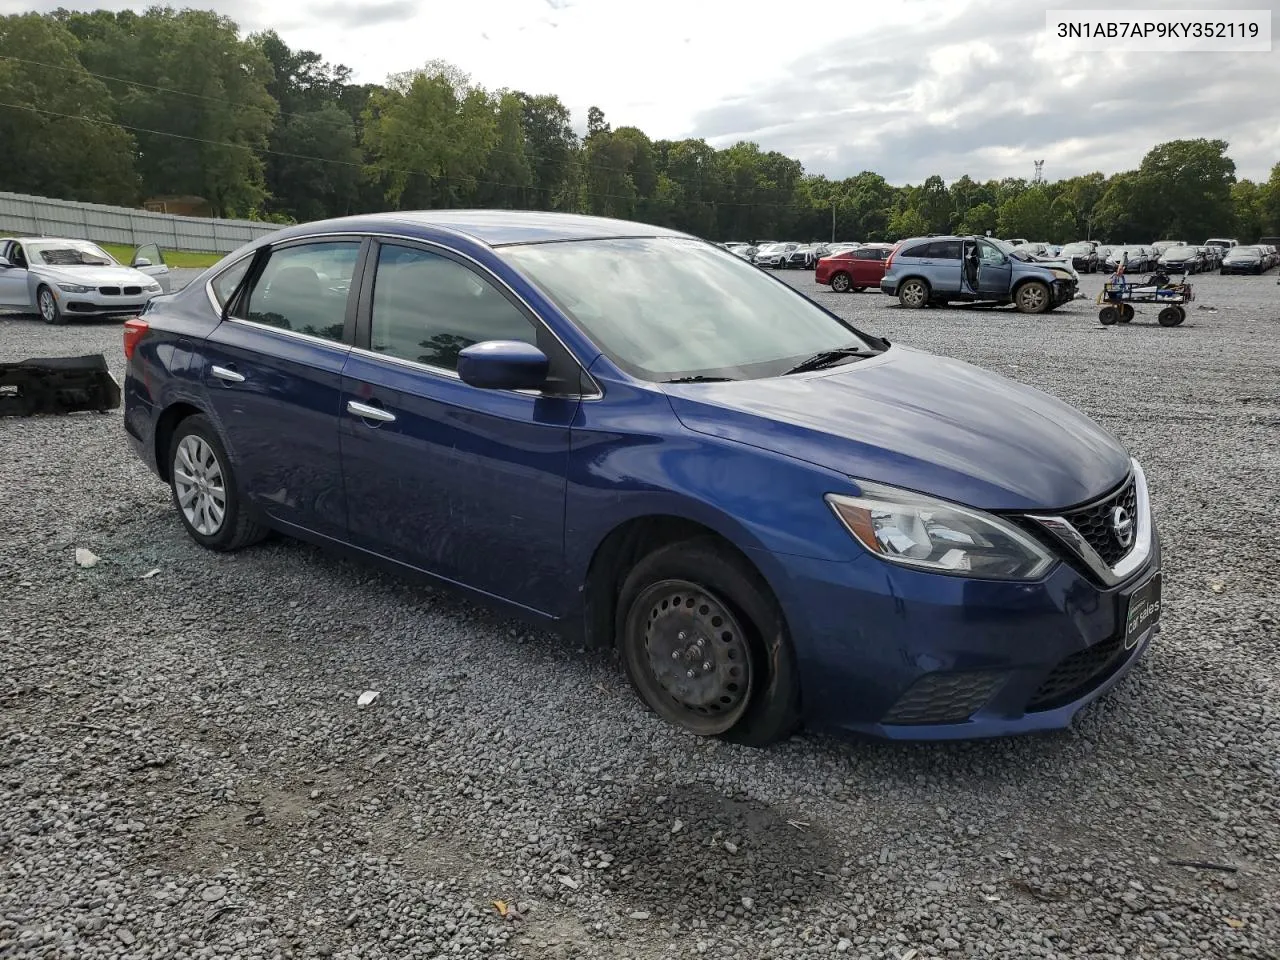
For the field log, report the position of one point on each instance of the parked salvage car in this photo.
(772, 516)
(1082, 255)
(937, 270)
(59, 278)
(855, 269)
(774, 255)
(1181, 260)
(1243, 260)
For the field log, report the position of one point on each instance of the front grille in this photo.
(943, 698)
(109, 291)
(1078, 674)
(132, 291)
(1094, 523)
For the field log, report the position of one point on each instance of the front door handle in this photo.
(370, 413)
(222, 373)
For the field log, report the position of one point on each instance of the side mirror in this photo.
(503, 365)
(142, 262)
(4, 263)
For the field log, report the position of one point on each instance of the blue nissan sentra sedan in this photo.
(639, 438)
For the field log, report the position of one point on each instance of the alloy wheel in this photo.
(200, 484)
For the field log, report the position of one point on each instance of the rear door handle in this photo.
(370, 413)
(222, 373)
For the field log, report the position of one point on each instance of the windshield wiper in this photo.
(827, 358)
(699, 380)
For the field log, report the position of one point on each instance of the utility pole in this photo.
(833, 219)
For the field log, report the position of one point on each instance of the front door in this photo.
(14, 291)
(150, 261)
(465, 483)
(995, 272)
(273, 376)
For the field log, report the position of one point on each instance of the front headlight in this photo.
(152, 287)
(74, 288)
(918, 531)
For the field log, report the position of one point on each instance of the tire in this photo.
(1126, 312)
(914, 294)
(859, 289)
(1169, 317)
(1032, 297)
(196, 452)
(675, 595)
(47, 307)
(1108, 315)
(841, 282)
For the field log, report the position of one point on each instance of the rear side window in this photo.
(304, 288)
(945, 249)
(428, 308)
(224, 284)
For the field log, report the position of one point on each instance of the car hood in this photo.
(94, 276)
(922, 422)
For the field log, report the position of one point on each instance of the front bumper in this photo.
(893, 653)
(96, 304)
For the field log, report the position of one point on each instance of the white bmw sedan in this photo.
(75, 278)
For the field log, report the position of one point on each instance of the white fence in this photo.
(39, 216)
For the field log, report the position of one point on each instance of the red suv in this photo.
(854, 269)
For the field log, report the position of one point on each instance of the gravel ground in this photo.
(185, 771)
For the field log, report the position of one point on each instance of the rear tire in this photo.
(1169, 317)
(1126, 312)
(204, 488)
(841, 282)
(695, 607)
(1108, 315)
(914, 294)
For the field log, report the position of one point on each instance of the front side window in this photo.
(668, 308)
(428, 308)
(989, 252)
(304, 288)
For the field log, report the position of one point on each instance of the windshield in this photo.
(1009, 250)
(1243, 253)
(1176, 253)
(665, 308)
(68, 253)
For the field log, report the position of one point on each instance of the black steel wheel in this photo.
(1169, 317)
(1126, 312)
(705, 645)
(1108, 315)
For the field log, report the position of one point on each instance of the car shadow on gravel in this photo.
(688, 851)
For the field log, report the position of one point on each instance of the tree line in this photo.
(119, 107)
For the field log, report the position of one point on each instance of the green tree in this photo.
(978, 219)
(908, 222)
(1248, 207)
(1184, 188)
(508, 174)
(203, 90)
(316, 169)
(1269, 204)
(56, 120)
(430, 129)
(934, 202)
(553, 152)
(1033, 215)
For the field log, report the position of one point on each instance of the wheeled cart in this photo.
(1119, 295)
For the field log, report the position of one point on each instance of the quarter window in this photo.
(305, 288)
(224, 284)
(428, 308)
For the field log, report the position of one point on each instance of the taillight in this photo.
(134, 330)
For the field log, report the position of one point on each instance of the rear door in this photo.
(273, 376)
(150, 261)
(943, 265)
(868, 266)
(465, 483)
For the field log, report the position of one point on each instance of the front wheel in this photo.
(914, 294)
(47, 304)
(705, 644)
(204, 489)
(1108, 315)
(840, 282)
(1032, 297)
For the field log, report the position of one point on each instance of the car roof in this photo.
(493, 227)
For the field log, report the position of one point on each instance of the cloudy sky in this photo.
(903, 87)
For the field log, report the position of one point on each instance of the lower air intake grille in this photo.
(1078, 674)
(943, 698)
